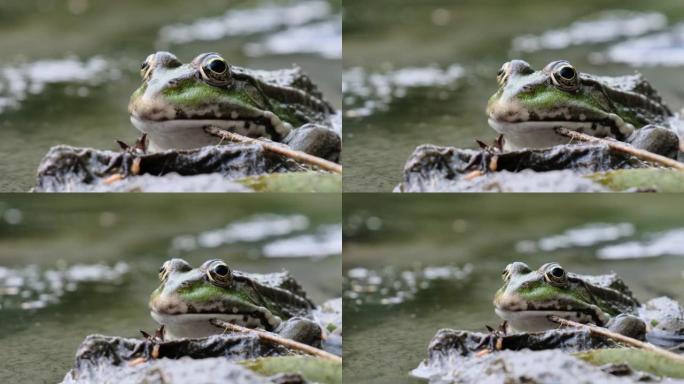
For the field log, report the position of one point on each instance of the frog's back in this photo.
(609, 290)
(633, 92)
(289, 78)
(277, 284)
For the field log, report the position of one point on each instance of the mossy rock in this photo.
(310, 368)
(637, 359)
(649, 179)
(295, 182)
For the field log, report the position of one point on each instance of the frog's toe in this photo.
(315, 140)
(656, 139)
(302, 330)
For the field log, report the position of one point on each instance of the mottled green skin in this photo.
(186, 290)
(612, 107)
(598, 298)
(254, 103)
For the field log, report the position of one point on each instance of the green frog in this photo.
(189, 297)
(528, 297)
(177, 101)
(529, 105)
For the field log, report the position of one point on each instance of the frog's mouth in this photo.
(538, 320)
(542, 133)
(189, 133)
(197, 324)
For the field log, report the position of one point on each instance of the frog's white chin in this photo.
(190, 134)
(537, 321)
(195, 325)
(542, 134)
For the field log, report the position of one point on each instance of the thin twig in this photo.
(622, 147)
(290, 153)
(621, 338)
(273, 338)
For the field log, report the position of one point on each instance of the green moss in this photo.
(658, 179)
(295, 182)
(637, 359)
(312, 369)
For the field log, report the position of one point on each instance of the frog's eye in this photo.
(219, 273)
(555, 274)
(565, 77)
(215, 70)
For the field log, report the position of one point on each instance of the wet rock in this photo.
(329, 317)
(184, 370)
(552, 367)
(665, 318)
(207, 360)
(569, 356)
(71, 169)
(465, 343)
(469, 357)
(558, 169)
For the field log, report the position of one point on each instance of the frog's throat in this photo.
(538, 320)
(189, 134)
(187, 321)
(542, 134)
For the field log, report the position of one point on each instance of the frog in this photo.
(176, 102)
(528, 297)
(187, 298)
(530, 105)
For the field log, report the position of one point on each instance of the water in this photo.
(414, 265)
(449, 52)
(74, 266)
(68, 67)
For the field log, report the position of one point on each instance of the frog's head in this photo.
(176, 101)
(187, 298)
(530, 104)
(528, 297)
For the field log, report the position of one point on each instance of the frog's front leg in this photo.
(628, 325)
(653, 138)
(302, 330)
(315, 140)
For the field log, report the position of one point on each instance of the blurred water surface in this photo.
(68, 67)
(422, 72)
(414, 265)
(74, 266)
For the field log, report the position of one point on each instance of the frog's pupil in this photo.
(221, 270)
(217, 66)
(567, 73)
(557, 272)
